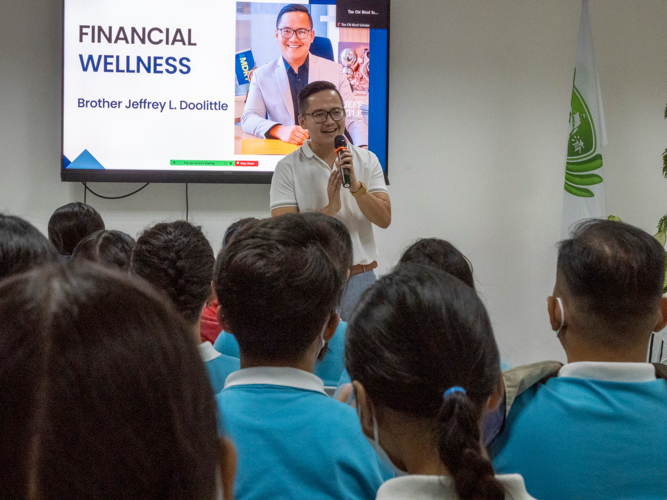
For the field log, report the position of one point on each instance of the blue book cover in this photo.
(244, 63)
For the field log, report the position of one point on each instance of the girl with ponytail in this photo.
(425, 367)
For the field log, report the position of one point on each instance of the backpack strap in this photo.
(519, 379)
(660, 371)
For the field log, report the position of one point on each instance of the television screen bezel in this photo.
(194, 176)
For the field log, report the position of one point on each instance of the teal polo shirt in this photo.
(293, 441)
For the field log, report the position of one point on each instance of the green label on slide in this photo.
(202, 163)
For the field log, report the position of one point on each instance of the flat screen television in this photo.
(194, 90)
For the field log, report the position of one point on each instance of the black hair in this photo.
(22, 246)
(294, 7)
(71, 223)
(314, 88)
(178, 260)
(276, 286)
(335, 239)
(441, 254)
(615, 272)
(107, 247)
(416, 333)
(234, 227)
(102, 392)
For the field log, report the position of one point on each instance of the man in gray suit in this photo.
(271, 106)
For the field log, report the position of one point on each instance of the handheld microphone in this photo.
(341, 144)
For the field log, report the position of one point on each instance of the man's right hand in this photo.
(333, 192)
(290, 133)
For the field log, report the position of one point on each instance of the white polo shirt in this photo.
(301, 179)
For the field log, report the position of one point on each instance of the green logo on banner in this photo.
(581, 149)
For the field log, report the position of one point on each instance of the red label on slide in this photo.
(244, 163)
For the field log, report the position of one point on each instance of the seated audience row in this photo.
(104, 394)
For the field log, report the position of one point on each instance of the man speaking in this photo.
(311, 180)
(271, 106)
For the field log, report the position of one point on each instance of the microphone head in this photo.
(340, 142)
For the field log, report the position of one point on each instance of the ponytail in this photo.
(460, 449)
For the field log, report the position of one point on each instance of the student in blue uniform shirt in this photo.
(335, 238)
(177, 259)
(425, 366)
(595, 427)
(278, 290)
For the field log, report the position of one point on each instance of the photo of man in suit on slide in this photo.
(271, 108)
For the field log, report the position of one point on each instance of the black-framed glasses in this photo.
(300, 33)
(320, 116)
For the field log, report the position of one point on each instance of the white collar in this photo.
(307, 150)
(207, 352)
(609, 371)
(309, 153)
(276, 375)
(422, 487)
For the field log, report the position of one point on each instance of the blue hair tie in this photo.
(452, 390)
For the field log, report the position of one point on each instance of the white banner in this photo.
(584, 186)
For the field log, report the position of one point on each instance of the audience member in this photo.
(278, 290)
(177, 259)
(109, 248)
(70, 224)
(432, 252)
(100, 386)
(425, 366)
(22, 246)
(335, 239)
(440, 254)
(209, 327)
(594, 428)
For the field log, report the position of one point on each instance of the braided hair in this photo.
(177, 259)
(416, 333)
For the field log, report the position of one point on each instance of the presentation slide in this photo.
(171, 87)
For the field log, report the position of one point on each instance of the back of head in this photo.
(177, 259)
(442, 255)
(416, 333)
(22, 246)
(102, 393)
(614, 274)
(234, 228)
(71, 223)
(276, 287)
(335, 239)
(109, 248)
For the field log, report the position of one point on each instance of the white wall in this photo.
(479, 104)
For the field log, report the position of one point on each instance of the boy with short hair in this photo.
(278, 291)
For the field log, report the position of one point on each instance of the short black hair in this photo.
(314, 88)
(106, 247)
(22, 246)
(441, 254)
(615, 273)
(71, 223)
(416, 333)
(276, 287)
(233, 228)
(102, 374)
(294, 7)
(178, 260)
(335, 239)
